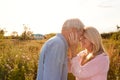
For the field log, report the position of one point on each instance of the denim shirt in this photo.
(53, 59)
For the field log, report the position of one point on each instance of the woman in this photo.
(92, 63)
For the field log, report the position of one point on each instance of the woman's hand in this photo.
(73, 43)
(73, 40)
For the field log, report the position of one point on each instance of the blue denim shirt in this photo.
(53, 59)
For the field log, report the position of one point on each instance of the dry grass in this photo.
(19, 59)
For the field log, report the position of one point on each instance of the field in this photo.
(19, 59)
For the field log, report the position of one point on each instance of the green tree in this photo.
(116, 36)
(2, 32)
(14, 35)
(27, 33)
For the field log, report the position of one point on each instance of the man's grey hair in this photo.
(75, 22)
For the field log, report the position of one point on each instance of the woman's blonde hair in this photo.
(94, 37)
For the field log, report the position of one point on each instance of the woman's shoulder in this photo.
(102, 57)
(103, 54)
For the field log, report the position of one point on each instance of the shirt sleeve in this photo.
(98, 64)
(54, 61)
(40, 64)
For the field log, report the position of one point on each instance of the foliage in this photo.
(111, 35)
(116, 36)
(19, 59)
(14, 35)
(113, 48)
(27, 34)
(107, 35)
(2, 32)
(47, 36)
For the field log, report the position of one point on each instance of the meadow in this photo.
(19, 59)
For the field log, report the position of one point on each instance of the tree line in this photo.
(27, 34)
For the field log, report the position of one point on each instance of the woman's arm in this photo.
(98, 64)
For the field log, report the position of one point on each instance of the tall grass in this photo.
(19, 59)
(113, 48)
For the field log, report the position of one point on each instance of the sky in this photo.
(48, 16)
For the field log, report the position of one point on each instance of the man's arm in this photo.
(41, 63)
(53, 64)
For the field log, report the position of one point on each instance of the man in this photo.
(53, 55)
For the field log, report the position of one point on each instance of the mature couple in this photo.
(59, 54)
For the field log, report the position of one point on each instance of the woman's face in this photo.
(85, 43)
